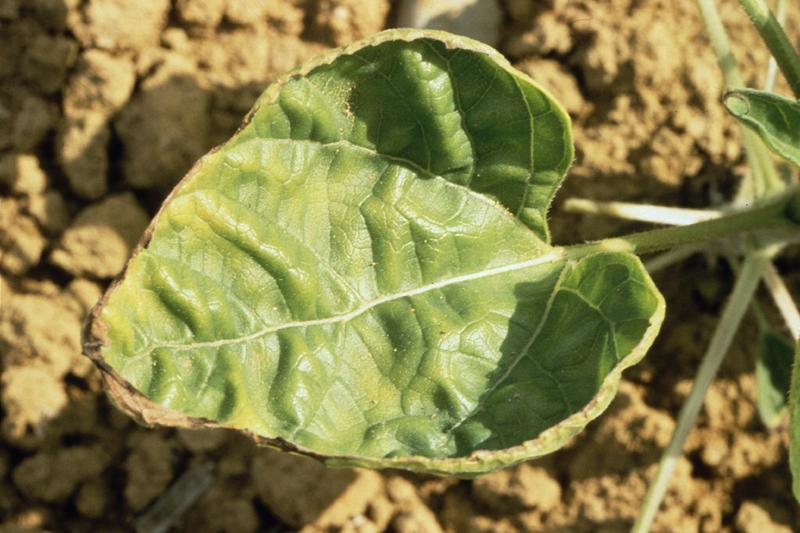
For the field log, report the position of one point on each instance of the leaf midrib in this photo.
(554, 255)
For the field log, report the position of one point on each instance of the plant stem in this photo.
(671, 257)
(160, 517)
(772, 67)
(761, 318)
(658, 214)
(732, 315)
(776, 40)
(777, 213)
(783, 300)
(764, 178)
(720, 44)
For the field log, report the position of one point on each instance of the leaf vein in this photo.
(554, 255)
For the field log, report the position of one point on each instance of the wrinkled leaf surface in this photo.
(363, 273)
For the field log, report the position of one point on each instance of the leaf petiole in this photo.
(776, 40)
(772, 67)
(781, 212)
(763, 177)
(657, 214)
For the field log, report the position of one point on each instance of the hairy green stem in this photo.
(779, 213)
(764, 178)
(772, 67)
(732, 315)
(776, 40)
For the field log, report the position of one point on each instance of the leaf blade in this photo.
(794, 425)
(331, 290)
(773, 375)
(774, 118)
(510, 159)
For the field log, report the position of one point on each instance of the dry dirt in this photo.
(104, 104)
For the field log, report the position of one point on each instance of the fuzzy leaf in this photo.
(773, 374)
(774, 118)
(363, 274)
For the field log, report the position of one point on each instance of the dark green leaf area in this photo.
(440, 111)
(598, 312)
(775, 118)
(773, 375)
(794, 424)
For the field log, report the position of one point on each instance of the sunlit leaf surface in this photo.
(363, 272)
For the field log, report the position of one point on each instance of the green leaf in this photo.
(774, 118)
(794, 425)
(363, 274)
(773, 374)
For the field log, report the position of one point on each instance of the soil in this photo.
(104, 104)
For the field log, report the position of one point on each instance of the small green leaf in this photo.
(794, 424)
(773, 374)
(363, 273)
(776, 119)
